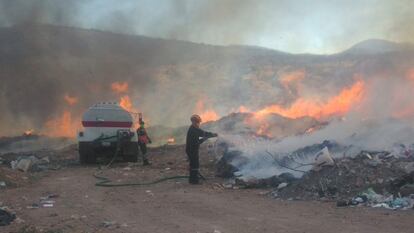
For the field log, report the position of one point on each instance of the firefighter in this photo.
(143, 140)
(195, 136)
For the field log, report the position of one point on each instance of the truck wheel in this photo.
(83, 154)
(91, 157)
(86, 154)
(133, 158)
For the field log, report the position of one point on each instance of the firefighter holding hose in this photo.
(195, 136)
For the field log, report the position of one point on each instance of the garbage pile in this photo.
(17, 167)
(39, 160)
(348, 177)
(372, 178)
(373, 199)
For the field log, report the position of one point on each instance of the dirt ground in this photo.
(175, 206)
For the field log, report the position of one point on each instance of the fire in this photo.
(243, 109)
(126, 103)
(62, 126)
(28, 132)
(206, 115)
(120, 87)
(410, 75)
(209, 115)
(291, 82)
(336, 106)
(171, 141)
(264, 130)
(310, 130)
(71, 100)
(403, 100)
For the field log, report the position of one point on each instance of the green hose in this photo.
(105, 182)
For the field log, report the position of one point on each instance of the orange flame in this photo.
(264, 130)
(71, 100)
(171, 141)
(206, 115)
(336, 106)
(126, 103)
(62, 126)
(406, 108)
(291, 81)
(120, 87)
(243, 109)
(28, 132)
(410, 75)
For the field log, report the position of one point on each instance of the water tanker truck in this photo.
(108, 130)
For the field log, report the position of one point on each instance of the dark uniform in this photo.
(195, 136)
(143, 140)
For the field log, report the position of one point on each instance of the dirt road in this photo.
(175, 206)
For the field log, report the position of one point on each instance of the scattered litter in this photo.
(19, 220)
(371, 198)
(28, 163)
(47, 202)
(49, 196)
(33, 206)
(2, 184)
(6, 218)
(22, 164)
(228, 186)
(107, 224)
(47, 205)
(282, 185)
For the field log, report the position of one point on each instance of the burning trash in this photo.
(171, 141)
(28, 133)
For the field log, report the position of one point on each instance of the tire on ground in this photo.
(133, 158)
(86, 153)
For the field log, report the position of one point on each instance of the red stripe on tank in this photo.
(116, 124)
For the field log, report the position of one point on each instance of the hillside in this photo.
(40, 64)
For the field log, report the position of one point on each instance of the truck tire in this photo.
(83, 154)
(86, 153)
(133, 158)
(91, 157)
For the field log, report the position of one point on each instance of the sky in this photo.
(295, 26)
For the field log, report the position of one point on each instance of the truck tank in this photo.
(108, 130)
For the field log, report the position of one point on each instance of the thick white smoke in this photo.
(383, 121)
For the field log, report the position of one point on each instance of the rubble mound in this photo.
(383, 173)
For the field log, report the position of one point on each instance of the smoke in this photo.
(40, 66)
(58, 12)
(382, 122)
(328, 27)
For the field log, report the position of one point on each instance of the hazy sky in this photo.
(297, 26)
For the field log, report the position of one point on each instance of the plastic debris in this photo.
(6, 218)
(26, 163)
(47, 205)
(323, 158)
(107, 224)
(282, 185)
(33, 206)
(371, 198)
